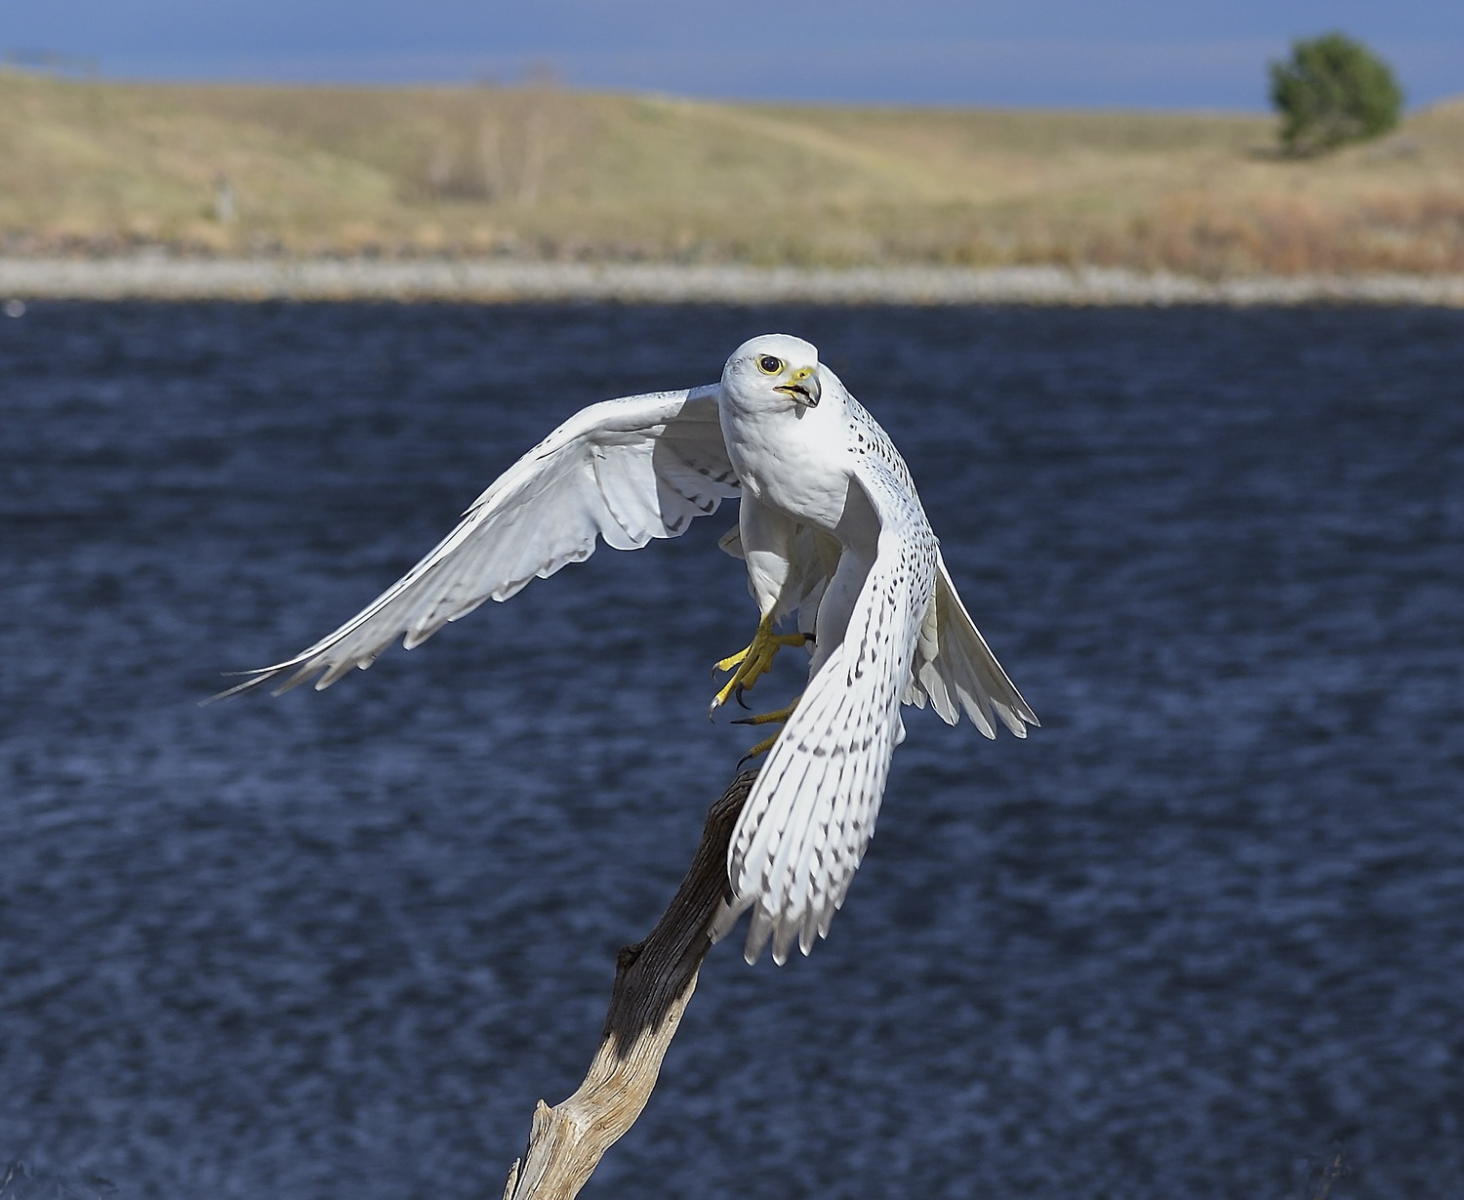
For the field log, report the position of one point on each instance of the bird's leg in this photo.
(768, 718)
(750, 664)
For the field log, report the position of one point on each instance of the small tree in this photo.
(1333, 90)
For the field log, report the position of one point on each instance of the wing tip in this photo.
(325, 673)
(257, 677)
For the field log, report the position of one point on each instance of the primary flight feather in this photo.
(830, 528)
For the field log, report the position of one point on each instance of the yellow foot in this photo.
(749, 665)
(761, 748)
(769, 718)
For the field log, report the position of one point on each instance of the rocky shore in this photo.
(161, 277)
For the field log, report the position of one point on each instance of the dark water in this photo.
(1199, 936)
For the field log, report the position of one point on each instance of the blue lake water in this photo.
(1199, 936)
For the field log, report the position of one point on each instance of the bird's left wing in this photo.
(625, 470)
(956, 671)
(811, 811)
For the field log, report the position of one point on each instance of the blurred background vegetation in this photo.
(1333, 90)
(536, 171)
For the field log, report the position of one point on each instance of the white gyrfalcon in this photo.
(831, 530)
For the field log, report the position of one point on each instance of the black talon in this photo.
(737, 695)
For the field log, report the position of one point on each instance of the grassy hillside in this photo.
(537, 172)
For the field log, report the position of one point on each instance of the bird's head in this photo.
(775, 368)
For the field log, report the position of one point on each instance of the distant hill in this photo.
(537, 172)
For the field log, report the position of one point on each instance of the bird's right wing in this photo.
(811, 811)
(625, 470)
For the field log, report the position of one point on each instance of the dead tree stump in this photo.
(654, 980)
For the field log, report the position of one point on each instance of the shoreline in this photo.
(483, 281)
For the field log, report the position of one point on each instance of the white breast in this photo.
(796, 460)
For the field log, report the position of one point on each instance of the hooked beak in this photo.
(802, 387)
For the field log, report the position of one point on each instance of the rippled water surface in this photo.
(1199, 936)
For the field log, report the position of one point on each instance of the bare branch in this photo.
(654, 980)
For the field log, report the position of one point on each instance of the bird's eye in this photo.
(769, 365)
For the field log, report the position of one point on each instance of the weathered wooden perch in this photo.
(654, 980)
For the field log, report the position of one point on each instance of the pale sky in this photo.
(1128, 53)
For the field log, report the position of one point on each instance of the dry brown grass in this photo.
(539, 172)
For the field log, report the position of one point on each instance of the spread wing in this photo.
(625, 470)
(811, 811)
(955, 669)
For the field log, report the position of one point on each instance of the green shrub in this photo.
(1331, 91)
